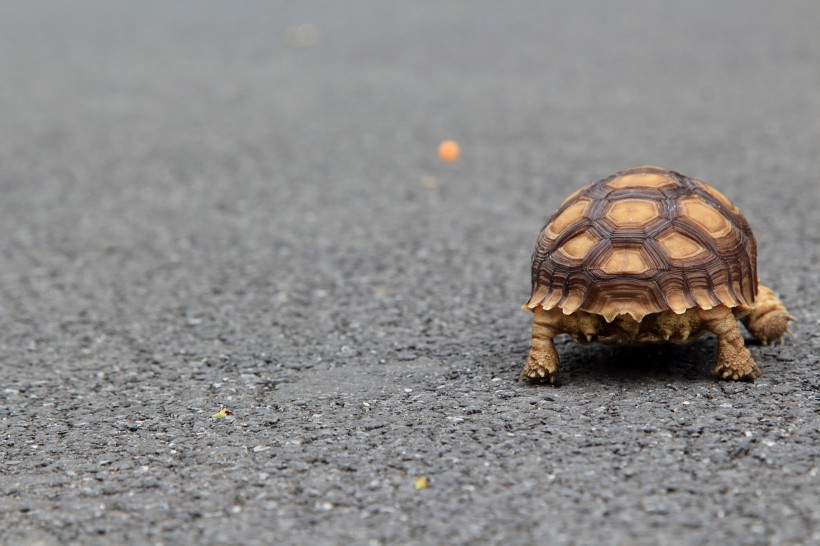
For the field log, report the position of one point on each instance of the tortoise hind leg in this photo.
(734, 361)
(542, 364)
(768, 320)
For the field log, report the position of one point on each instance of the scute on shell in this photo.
(642, 241)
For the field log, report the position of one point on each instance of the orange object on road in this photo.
(448, 151)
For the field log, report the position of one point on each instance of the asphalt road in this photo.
(206, 204)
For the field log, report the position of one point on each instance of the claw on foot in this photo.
(736, 376)
(538, 374)
(778, 340)
(732, 374)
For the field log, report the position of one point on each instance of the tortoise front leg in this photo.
(734, 361)
(768, 320)
(542, 364)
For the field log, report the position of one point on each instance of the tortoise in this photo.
(649, 255)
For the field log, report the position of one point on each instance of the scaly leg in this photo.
(734, 361)
(542, 364)
(768, 320)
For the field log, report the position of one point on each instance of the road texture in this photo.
(240, 205)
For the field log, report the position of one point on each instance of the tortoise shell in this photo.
(642, 241)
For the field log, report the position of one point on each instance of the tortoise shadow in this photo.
(661, 362)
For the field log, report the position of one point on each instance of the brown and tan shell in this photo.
(642, 241)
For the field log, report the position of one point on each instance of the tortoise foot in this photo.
(771, 327)
(736, 365)
(541, 367)
(734, 361)
(768, 320)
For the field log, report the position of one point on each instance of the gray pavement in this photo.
(201, 209)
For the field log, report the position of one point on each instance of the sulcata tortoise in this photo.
(649, 255)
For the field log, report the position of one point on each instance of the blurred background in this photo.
(163, 122)
(288, 149)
